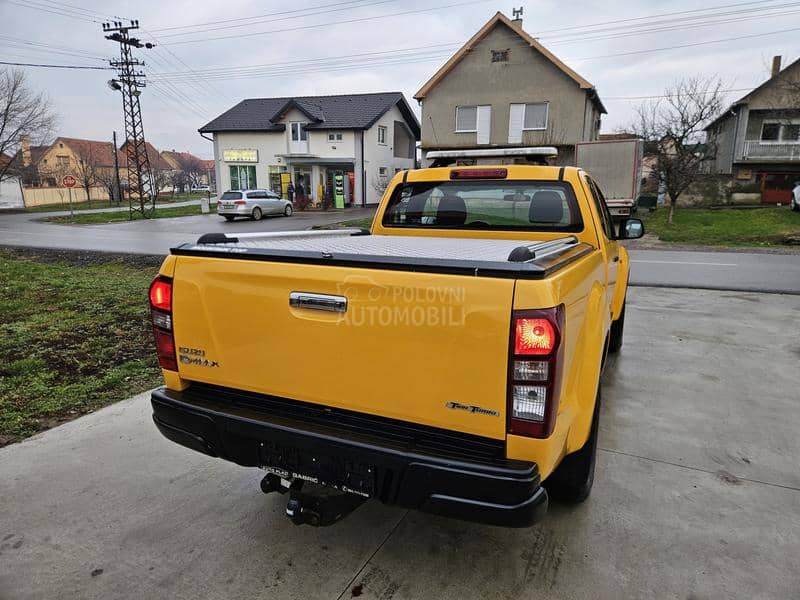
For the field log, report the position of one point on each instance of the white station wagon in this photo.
(252, 203)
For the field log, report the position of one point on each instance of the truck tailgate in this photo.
(408, 346)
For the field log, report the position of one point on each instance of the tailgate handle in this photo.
(313, 301)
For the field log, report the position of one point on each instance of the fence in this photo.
(45, 196)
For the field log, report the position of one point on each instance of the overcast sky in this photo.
(366, 46)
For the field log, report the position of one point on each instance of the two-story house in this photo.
(757, 140)
(352, 144)
(504, 90)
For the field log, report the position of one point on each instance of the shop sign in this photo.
(240, 155)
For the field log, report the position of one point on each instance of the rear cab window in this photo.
(232, 196)
(507, 205)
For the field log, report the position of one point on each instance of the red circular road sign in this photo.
(68, 181)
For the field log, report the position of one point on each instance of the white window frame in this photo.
(331, 137)
(546, 116)
(302, 132)
(475, 106)
(383, 171)
(382, 133)
(781, 123)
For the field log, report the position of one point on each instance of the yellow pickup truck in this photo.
(447, 360)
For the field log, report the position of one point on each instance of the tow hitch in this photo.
(319, 506)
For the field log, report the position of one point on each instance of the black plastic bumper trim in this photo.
(506, 493)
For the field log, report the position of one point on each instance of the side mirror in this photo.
(631, 229)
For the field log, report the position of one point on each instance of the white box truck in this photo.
(615, 166)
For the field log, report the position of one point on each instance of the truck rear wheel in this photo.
(617, 328)
(572, 480)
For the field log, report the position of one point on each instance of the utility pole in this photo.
(117, 184)
(129, 81)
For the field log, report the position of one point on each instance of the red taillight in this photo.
(534, 373)
(161, 316)
(165, 346)
(478, 173)
(534, 337)
(240, 202)
(161, 294)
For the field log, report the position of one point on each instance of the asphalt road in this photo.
(697, 494)
(710, 270)
(717, 270)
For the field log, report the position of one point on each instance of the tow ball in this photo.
(318, 506)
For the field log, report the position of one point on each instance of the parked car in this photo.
(447, 360)
(200, 188)
(252, 203)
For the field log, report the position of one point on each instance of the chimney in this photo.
(776, 65)
(25, 148)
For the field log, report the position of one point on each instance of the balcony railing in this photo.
(760, 150)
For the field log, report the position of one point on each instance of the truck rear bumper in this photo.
(461, 481)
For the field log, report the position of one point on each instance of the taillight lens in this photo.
(534, 336)
(534, 385)
(161, 294)
(240, 202)
(161, 316)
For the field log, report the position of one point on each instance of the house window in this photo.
(535, 116)
(334, 137)
(771, 132)
(62, 161)
(500, 55)
(466, 119)
(526, 117)
(299, 132)
(381, 134)
(475, 119)
(780, 132)
(331, 137)
(382, 171)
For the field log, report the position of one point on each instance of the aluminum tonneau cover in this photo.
(355, 248)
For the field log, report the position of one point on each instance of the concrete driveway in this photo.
(697, 493)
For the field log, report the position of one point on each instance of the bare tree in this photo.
(22, 111)
(193, 170)
(87, 169)
(177, 179)
(162, 178)
(673, 127)
(108, 179)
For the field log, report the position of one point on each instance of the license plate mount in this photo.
(329, 470)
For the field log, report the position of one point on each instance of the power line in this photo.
(628, 32)
(346, 62)
(22, 64)
(250, 18)
(393, 52)
(648, 17)
(306, 13)
(328, 24)
(692, 45)
(62, 49)
(52, 10)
